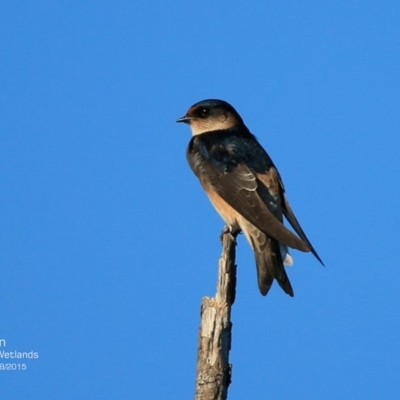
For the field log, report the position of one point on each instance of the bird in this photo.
(245, 187)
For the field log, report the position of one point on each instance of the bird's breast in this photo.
(227, 213)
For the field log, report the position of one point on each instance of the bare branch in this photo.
(213, 368)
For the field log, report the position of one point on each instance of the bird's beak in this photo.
(184, 119)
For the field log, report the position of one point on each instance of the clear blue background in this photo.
(107, 242)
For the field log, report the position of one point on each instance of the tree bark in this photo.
(213, 368)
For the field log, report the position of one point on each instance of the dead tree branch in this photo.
(213, 368)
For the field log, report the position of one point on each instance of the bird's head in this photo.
(211, 115)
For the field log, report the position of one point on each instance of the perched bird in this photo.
(245, 187)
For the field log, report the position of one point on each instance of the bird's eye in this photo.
(204, 112)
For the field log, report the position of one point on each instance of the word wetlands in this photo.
(19, 354)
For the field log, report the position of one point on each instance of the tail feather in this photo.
(264, 275)
(270, 256)
(270, 267)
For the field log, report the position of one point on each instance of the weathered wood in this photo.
(213, 368)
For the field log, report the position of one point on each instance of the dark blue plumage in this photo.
(245, 187)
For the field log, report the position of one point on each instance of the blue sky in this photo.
(107, 242)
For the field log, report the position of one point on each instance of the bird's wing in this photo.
(289, 215)
(239, 188)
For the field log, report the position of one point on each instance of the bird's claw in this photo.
(231, 233)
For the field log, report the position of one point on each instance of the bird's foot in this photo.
(228, 231)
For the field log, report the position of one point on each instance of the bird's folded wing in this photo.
(238, 188)
(289, 215)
